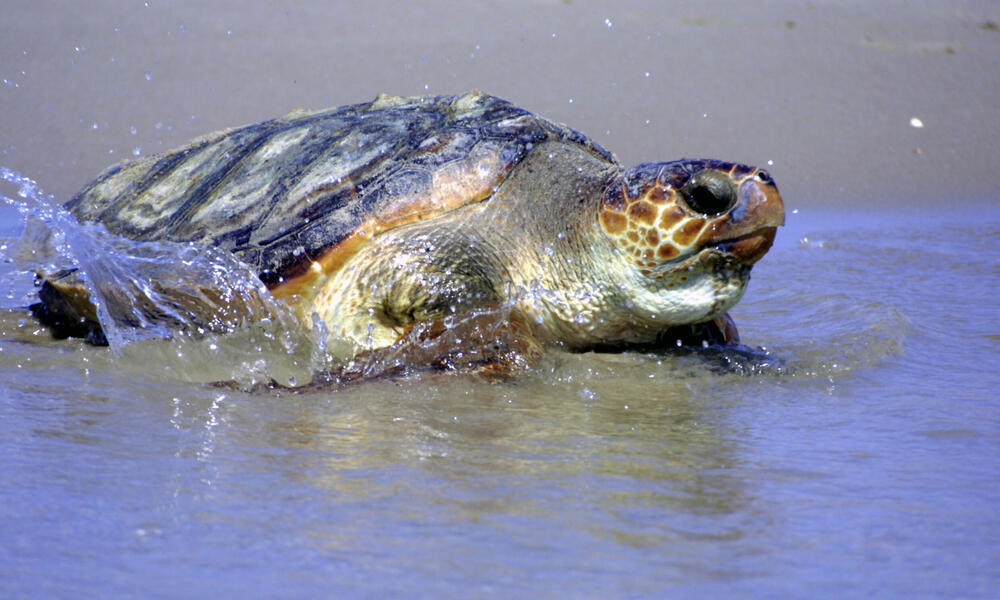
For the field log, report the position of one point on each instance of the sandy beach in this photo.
(848, 102)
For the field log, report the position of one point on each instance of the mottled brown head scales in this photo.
(661, 213)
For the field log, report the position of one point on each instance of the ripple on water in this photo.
(852, 298)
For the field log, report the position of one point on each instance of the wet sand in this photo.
(849, 103)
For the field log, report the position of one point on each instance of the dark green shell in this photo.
(280, 192)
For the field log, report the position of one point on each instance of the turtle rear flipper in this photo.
(159, 307)
(65, 307)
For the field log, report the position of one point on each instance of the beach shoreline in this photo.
(845, 103)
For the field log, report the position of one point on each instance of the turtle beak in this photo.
(747, 231)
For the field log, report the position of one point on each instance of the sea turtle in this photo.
(395, 219)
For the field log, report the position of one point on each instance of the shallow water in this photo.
(872, 452)
(866, 466)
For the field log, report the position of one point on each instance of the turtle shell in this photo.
(283, 194)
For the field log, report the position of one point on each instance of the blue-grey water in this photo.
(863, 465)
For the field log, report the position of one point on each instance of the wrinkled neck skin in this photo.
(535, 248)
(572, 282)
(616, 305)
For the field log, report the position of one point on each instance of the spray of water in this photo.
(144, 290)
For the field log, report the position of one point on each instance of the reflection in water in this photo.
(868, 441)
(639, 467)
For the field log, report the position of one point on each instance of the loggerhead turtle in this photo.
(393, 220)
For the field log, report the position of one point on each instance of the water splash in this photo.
(822, 313)
(189, 293)
(142, 290)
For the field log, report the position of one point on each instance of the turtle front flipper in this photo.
(493, 343)
(720, 331)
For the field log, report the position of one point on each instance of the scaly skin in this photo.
(446, 230)
(566, 244)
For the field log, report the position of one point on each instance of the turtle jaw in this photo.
(748, 249)
(743, 234)
(748, 231)
(717, 268)
(698, 288)
(692, 231)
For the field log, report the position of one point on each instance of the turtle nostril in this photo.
(764, 177)
(709, 193)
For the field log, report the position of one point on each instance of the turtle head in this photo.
(690, 230)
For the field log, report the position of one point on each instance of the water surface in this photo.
(870, 453)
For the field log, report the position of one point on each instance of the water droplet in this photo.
(608, 22)
(149, 76)
(916, 123)
(94, 125)
(647, 73)
(770, 163)
(137, 151)
(133, 130)
(571, 101)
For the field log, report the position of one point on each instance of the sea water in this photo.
(871, 454)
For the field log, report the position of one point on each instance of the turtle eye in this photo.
(709, 193)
